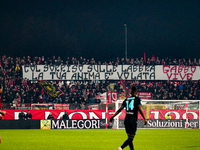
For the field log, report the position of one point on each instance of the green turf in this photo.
(99, 139)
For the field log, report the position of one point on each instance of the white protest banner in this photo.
(169, 72)
(88, 72)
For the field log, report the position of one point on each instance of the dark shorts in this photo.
(130, 125)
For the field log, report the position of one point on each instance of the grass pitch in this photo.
(99, 139)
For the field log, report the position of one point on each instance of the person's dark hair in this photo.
(133, 89)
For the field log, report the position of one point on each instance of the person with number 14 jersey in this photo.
(132, 106)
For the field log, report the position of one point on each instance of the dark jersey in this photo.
(131, 104)
(50, 117)
(22, 116)
(65, 117)
(28, 116)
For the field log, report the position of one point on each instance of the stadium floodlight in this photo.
(125, 40)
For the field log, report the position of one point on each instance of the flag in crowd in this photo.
(50, 88)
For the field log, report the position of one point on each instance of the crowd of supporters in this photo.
(78, 94)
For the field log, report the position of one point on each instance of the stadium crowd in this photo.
(78, 94)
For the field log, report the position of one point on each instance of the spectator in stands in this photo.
(9, 97)
(22, 115)
(28, 115)
(40, 98)
(65, 116)
(45, 98)
(14, 103)
(50, 116)
(18, 97)
(58, 100)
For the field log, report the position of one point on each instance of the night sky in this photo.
(95, 28)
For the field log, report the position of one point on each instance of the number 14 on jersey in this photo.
(129, 105)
